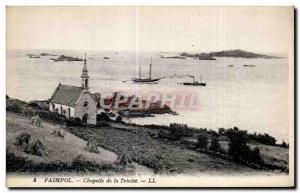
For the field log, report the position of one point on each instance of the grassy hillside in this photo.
(62, 152)
(162, 156)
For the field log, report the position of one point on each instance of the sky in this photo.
(170, 29)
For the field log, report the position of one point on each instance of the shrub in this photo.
(264, 139)
(124, 159)
(14, 108)
(215, 145)
(221, 131)
(36, 147)
(255, 156)
(202, 140)
(103, 116)
(23, 139)
(92, 147)
(13, 162)
(213, 133)
(36, 120)
(58, 133)
(78, 162)
(73, 122)
(174, 131)
(180, 130)
(238, 147)
(47, 115)
(14, 105)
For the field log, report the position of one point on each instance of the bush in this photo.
(102, 116)
(221, 131)
(181, 130)
(215, 145)
(202, 140)
(47, 115)
(124, 159)
(36, 120)
(36, 147)
(73, 122)
(174, 131)
(23, 139)
(92, 147)
(264, 139)
(238, 147)
(58, 133)
(14, 108)
(14, 163)
(255, 156)
(14, 105)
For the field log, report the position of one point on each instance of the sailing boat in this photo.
(146, 80)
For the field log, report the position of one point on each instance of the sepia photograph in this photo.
(150, 96)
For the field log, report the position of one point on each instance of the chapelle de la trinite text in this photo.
(109, 180)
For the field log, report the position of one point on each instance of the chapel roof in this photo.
(66, 95)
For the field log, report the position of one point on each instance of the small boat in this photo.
(33, 56)
(194, 83)
(146, 80)
(249, 65)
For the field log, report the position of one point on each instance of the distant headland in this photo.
(228, 53)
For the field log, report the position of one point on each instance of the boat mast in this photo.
(193, 79)
(150, 69)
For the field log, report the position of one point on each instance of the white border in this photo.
(5, 3)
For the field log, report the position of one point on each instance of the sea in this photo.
(254, 98)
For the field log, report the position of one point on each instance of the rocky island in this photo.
(240, 54)
(47, 54)
(66, 58)
(176, 57)
(201, 56)
(227, 53)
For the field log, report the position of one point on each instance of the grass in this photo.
(139, 143)
(275, 155)
(62, 153)
(17, 163)
(157, 154)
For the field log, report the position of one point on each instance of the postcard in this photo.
(150, 96)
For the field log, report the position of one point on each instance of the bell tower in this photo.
(85, 77)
